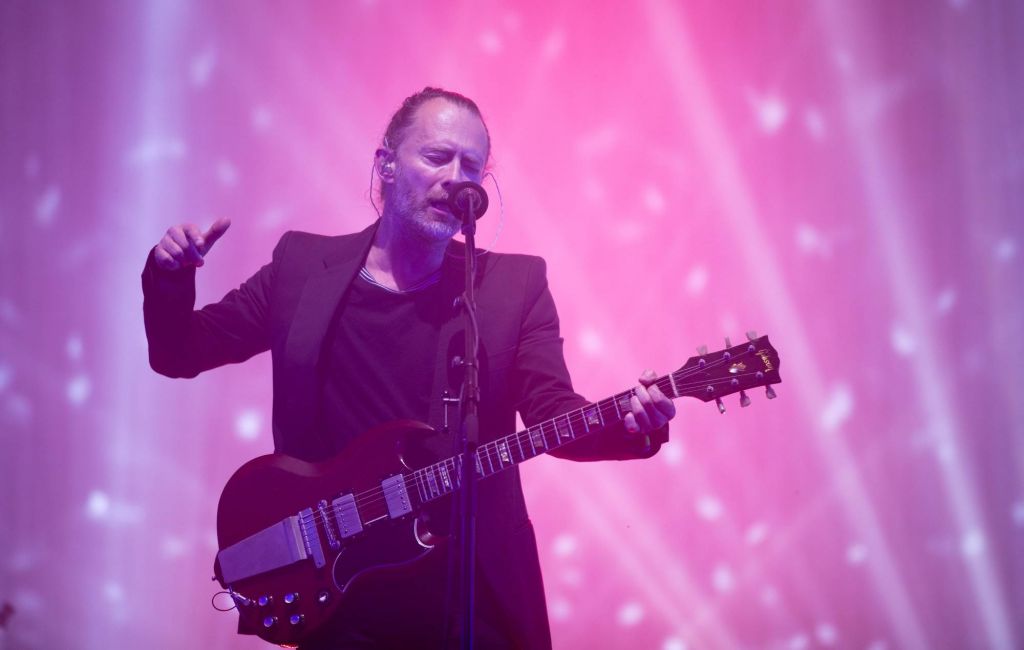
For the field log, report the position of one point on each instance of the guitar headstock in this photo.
(710, 376)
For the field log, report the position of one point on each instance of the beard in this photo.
(417, 219)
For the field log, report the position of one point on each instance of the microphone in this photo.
(466, 197)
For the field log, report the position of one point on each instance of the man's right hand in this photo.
(185, 245)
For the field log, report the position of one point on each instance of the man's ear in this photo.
(385, 163)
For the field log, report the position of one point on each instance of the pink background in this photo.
(844, 176)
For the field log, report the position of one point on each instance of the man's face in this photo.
(445, 144)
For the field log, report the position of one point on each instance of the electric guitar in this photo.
(294, 536)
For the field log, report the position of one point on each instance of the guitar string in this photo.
(417, 479)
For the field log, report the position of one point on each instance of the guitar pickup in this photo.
(396, 496)
(347, 514)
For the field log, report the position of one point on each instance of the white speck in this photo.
(113, 592)
(272, 217)
(903, 342)
(826, 633)
(756, 534)
(1005, 249)
(248, 424)
(856, 553)
(490, 42)
(564, 545)
(697, 280)
(722, 579)
(156, 149)
(811, 242)
(672, 453)
(201, 68)
(97, 506)
(653, 200)
(630, 614)
(599, 141)
(843, 60)
(32, 165)
(972, 544)
(814, 122)
(30, 601)
(770, 111)
(1018, 513)
(74, 347)
(572, 577)
(769, 596)
(18, 408)
(674, 643)
(23, 560)
(945, 452)
(261, 118)
(227, 174)
(560, 609)
(47, 205)
(709, 508)
(78, 390)
(945, 301)
(591, 342)
(512, 21)
(5, 376)
(172, 547)
(798, 642)
(838, 408)
(592, 189)
(554, 45)
(629, 230)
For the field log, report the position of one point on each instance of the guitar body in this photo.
(270, 488)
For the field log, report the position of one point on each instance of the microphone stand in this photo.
(470, 436)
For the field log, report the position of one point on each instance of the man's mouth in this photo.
(440, 205)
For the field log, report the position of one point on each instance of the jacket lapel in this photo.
(321, 295)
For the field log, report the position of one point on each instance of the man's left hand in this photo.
(651, 409)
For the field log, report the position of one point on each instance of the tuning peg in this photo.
(728, 343)
(751, 335)
(770, 392)
(721, 406)
(702, 350)
(744, 399)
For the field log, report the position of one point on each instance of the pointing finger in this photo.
(216, 231)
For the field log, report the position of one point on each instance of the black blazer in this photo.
(287, 306)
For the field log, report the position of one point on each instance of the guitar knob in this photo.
(296, 619)
(770, 392)
(289, 599)
(270, 621)
(744, 399)
(263, 601)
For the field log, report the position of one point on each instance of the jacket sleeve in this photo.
(183, 341)
(544, 389)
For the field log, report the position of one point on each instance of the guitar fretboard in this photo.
(442, 478)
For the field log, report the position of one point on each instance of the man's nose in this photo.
(454, 174)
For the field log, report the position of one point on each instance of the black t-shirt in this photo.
(379, 358)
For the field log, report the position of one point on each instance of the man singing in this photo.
(362, 331)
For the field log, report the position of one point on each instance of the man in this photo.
(362, 331)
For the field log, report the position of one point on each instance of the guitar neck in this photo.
(708, 377)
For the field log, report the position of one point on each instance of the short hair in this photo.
(400, 121)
